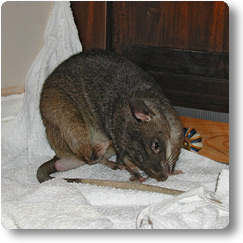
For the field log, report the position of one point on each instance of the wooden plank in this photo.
(194, 92)
(90, 18)
(198, 25)
(192, 79)
(186, 62)
(215, 138)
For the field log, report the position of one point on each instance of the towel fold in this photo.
(195, 209)
(58, 204)
(53, 205)
(28, 133)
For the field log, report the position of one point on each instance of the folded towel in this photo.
(61, 42)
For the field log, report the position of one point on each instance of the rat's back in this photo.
(97, 80)
(99, 71)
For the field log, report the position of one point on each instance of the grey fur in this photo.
(107, 92)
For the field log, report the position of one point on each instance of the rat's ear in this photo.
(140, 110)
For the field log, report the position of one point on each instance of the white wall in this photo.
(23, 28)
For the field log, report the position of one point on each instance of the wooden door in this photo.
(184, 45)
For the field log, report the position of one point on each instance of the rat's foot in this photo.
(98, 152)
(136, 177)
(64, 164)
(122, 167)
(134, 171)
(112, 165)
(176, 172)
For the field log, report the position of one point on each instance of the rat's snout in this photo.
(160, 175)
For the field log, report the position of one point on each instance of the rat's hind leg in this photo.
(64, 164)
(55, 165)
(99, 150)
(66, 130)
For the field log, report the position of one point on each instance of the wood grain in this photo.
(199, 25)
(90, 18)
(184, 45)
(194, 92)
(192, 79)
(215, 138)
(186, 62)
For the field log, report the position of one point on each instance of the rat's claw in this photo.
(137, 178)
(176, 172)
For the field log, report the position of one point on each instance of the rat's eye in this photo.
(156, 146)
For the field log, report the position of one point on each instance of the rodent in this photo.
(96, 104)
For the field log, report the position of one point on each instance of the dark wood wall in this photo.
(200, 26)
(184, 45)
(91, 21)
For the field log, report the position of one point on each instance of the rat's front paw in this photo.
(176, 172)
(137, 178)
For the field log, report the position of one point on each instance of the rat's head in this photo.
(152, 137)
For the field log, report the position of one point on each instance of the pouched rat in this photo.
(97, 104)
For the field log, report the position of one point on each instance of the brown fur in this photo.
(97, 104)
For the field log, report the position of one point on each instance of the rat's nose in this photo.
(161, 175)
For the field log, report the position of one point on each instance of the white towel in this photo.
(195, 209)
(61, 42)
(57, 204)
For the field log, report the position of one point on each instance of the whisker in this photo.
(169, 161)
